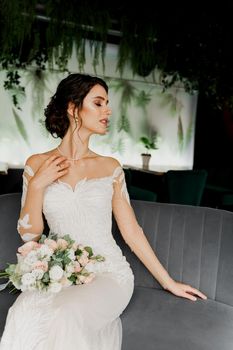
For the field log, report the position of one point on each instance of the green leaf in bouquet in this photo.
(10, 270)
(45, 278)
(39, 285)
(84, 272)
(89, 250)
(15, 280)
(68, 239)
(4, 274)
(78, 252)
(10, 274)
(55, 263)
(72, 278)
(66, 260)
(58, 255)
(98, 257)
(42, 239)
(53, 236)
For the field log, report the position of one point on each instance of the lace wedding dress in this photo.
(82, 317)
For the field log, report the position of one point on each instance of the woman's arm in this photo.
(30, 223)
(135, 238)
(38, 174)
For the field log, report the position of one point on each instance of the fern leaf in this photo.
(180, 134)
(189, 132)
(20, 126)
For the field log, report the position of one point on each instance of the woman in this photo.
(77, 190)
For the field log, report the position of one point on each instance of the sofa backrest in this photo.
(9, 237)
(195, 244)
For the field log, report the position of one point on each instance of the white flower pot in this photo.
(145, 160)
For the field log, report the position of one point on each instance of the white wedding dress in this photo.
(82, 317)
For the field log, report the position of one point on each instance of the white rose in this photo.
(69, 269)
(55, 287)
(31, 258)
(28, 279)
(56, 273)
(71, 254)
(22, 268)
(38, 273)
(44, 251)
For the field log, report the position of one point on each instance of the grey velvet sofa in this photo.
(195, 244)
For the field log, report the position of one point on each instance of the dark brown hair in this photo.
(73, 88)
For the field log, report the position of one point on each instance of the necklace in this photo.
(71, 158)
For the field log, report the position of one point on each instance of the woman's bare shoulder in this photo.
(110, 163)
(36, 160)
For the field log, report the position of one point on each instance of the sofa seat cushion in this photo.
(158, 320)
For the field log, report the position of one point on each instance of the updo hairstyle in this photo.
(73, 88)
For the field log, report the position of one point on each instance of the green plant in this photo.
(149, 143)
(44, 33)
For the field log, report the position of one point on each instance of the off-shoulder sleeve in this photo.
(119, 184)
(121, 206)
(23, 225)
(27, 174)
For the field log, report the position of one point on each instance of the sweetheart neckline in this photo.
(83, 180)
(115, 173)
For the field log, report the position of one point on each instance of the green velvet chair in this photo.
(185, 186)
(226, 201)
(136, 192)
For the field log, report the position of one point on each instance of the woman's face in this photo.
(95, 112)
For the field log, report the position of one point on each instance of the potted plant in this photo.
(149, 144)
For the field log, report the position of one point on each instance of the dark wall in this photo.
(214, 152)
(214, 136)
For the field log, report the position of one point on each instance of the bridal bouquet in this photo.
(51, 264)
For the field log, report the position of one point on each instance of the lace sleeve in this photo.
(23, 223)
(120, 188)
(122, 209)
(27, 170)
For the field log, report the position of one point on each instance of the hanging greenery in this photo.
(191, 47)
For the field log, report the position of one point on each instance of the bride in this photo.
(77, 190)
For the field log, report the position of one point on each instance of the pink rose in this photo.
(85, 253)
(51, 244)
(65, 282)
(62, 244)
(82, 278)
(43, 265)
(75, 246)
(83, 260)
(77, 267)
(28, 247)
